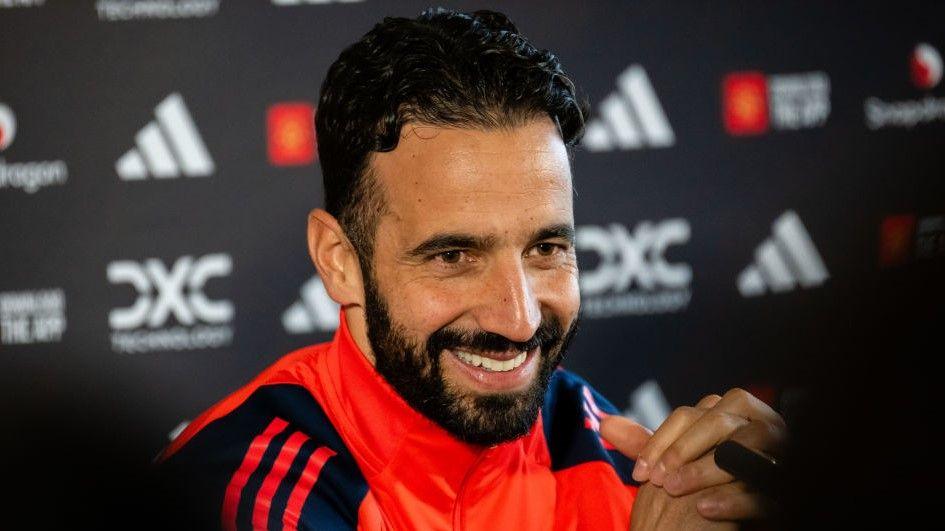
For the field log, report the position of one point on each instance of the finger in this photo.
(736, 409)
(708, 402)
(742, 403)
(678, 422)
(702, 436)
(762, 437)
(670, 430)
(626, 435)
(698, 475)
(732, 502)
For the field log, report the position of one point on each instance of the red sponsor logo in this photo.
(745, 103)
(291, 132)
(7, 126)
(925, 66)
(895, 240)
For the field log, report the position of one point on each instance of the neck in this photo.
(357, 326)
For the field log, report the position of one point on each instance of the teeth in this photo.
(490, 364)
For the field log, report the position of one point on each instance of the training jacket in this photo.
(320, 440)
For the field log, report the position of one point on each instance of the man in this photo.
(447, 239)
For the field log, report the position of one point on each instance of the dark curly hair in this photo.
(442, 68)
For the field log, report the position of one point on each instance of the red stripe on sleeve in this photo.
(290, 519)
(275, 476)
(231, 500)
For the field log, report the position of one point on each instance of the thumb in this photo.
(625, 434)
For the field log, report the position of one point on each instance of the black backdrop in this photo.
(713, 121)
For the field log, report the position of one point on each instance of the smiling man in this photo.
(447, 239)
(473, 255)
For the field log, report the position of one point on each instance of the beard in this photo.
(414, 370)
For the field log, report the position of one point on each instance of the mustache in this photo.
(548, 335)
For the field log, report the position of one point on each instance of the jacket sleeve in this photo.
(274, 461)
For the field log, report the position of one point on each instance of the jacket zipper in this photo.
(458, 504)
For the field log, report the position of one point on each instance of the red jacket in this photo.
(320, 441)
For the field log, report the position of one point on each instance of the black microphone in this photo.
(757, 470)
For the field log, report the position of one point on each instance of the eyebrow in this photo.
(457, 240)
(565, 231)
(453, 240)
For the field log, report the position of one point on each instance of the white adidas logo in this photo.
(783, 261)
(167, 147)
(648, 405)
(315, 312)
(631, 117)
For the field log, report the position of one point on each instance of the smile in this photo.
(491, 364)
(493, 371)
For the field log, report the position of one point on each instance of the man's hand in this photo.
(654, 508)
(679, 458)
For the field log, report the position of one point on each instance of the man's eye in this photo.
(451, 257)
(546, 249)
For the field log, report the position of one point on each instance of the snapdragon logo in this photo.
(165, 292)
(315, 311)
(27, 176)
(632, 275)
(925, 70)
(7, 126)
(119, 10)
(28, 317)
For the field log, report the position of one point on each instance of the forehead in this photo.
(449, 178)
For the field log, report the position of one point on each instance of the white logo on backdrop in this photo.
(7, 126)
(648, 405)
(28, 317)
(119, 10)
(312, 2)
(926, 66)
(631, 117)
(167, 147)
(28, 176)
(799, 101)
(314, 312)
(163, 292)
(784, 261)
(21, 3)
(634, 260)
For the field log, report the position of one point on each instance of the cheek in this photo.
(423, 306)
(424, 309)
(561, 295)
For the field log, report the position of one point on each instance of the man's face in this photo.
(473, 292)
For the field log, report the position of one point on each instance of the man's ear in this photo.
(335, 259)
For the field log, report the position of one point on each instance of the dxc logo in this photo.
(634, 258)
(170, 287)
(163, 292)
(639, 256)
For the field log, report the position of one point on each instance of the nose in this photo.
(507, 304)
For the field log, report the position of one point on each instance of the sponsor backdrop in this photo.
(751, 173)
